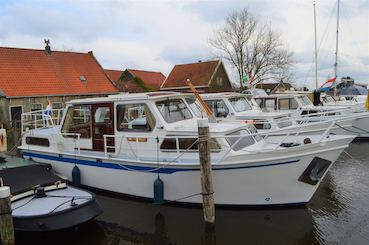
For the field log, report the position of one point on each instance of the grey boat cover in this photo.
(26, 178)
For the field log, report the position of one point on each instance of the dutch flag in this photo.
(327, 85)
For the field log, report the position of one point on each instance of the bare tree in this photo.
(253, 49)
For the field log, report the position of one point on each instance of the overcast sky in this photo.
(156, 35)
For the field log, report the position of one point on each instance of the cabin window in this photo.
(134, 117)
(240, 139)
(259, 102)
(186, 144)
(196, 107)
(173, 110)
(218, 107)
(284, 104)
(240, 104)
(78, 121)
(37, 141)
(270, 104)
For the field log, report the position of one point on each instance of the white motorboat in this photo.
(123, 143)
(303, 109)
(244, 108)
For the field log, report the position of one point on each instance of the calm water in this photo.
(338, 214)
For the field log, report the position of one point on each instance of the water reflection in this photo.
(179, 225)
(337, 214)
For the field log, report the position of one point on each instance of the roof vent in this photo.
(82, 78)
(47, 47)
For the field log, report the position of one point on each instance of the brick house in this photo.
(136, 81)
(28, 77)
(209, 76)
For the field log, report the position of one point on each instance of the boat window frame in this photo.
(239, 98)
(227, 110)
(138, 130)
(186, 108)
(69, 134)
(194, 148)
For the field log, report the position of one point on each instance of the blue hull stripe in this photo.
(163, 170)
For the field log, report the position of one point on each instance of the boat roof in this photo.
(25, 178)
(221, 95)
(128, 97)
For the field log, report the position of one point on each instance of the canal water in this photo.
(337, 214)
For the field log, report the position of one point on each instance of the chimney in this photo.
(47, 47)
(199, 61)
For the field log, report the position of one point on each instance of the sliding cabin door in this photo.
(102, 124)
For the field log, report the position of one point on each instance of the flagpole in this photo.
(336, 59)
(316, 50)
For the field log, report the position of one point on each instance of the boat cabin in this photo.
(243, 108)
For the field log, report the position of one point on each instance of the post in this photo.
(205, 169)
(6, 220)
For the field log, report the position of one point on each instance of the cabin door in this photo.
(102, 124)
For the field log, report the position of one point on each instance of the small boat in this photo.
(42, 201)
(125, 143)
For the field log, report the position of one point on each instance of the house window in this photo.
(57, 105)
(134, 117)
(78, 121)
(219, 81)
(36, 107)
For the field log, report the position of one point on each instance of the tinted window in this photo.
(243, 140)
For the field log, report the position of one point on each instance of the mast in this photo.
(335, 63)
(316, 51)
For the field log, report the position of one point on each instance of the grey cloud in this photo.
(181, 55)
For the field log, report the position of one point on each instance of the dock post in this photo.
(6, 220)
(205, 169)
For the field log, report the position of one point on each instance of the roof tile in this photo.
(30, 72)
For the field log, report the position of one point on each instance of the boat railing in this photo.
(114, 150)
(38, 119)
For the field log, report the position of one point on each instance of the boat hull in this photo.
(272, 182)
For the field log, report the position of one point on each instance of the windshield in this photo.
(305, 100)
(173, 110)
(238, 143)
(240, 104)
(196, 108)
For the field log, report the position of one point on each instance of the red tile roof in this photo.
(199, 73)
(114, 75)
(30, 72)
(150, 78)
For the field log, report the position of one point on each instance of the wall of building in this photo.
(220, 81)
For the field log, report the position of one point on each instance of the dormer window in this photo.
(83, 79)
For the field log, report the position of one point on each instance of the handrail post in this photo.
(105, 146)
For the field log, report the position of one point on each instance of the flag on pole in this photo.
(327, 85)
